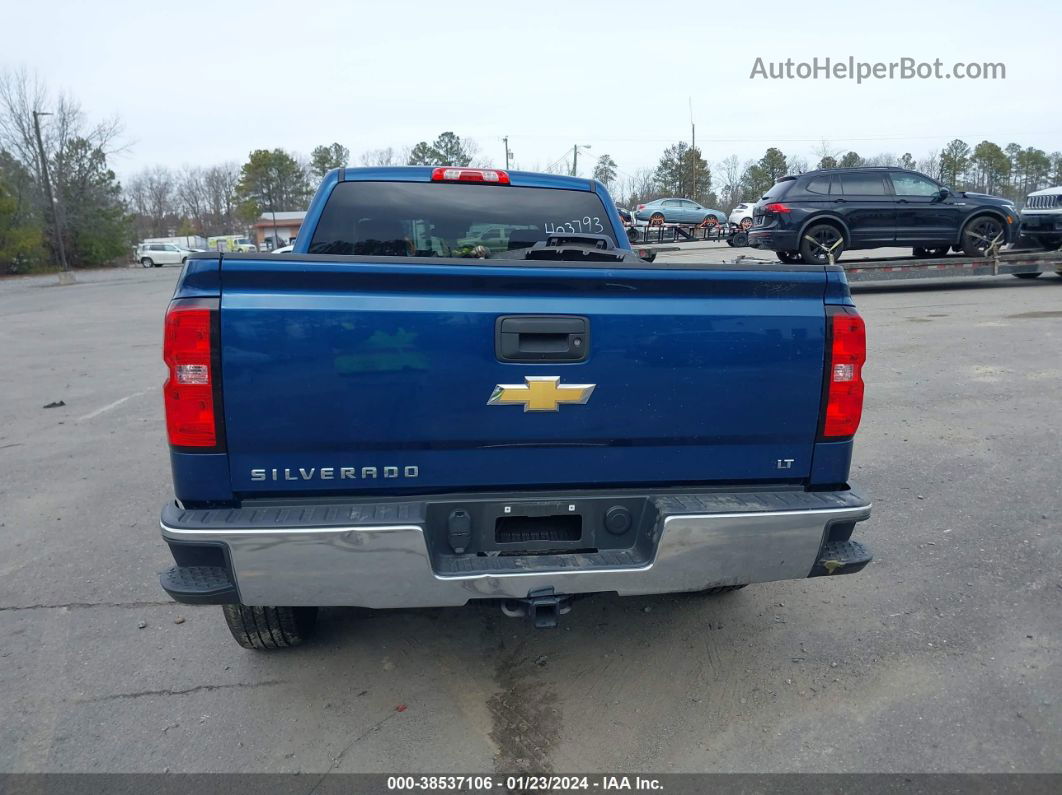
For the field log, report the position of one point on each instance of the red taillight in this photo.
(776, 207)
(641, 206)
(470, 175)
(188, 392)
(844, 376)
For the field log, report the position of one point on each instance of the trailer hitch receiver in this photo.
(542, 606)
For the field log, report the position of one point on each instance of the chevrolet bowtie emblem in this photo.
(540, 393)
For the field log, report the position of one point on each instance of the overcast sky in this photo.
(202, 82)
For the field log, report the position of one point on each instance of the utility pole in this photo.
(65, 277)
(508, 154)
(575, 157)
(693, 151)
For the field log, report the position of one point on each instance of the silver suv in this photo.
(155, 255)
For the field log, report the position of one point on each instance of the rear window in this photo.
(863, 184)
(818, 185)
(778, 190)
(432, 219)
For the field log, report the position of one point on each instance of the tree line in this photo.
(1012, 172)
(101, 219)
(222, 198)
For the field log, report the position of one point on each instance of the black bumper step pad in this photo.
(841, 557)
(199, 585)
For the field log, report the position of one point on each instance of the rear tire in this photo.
(746, 224)
(790, 257)
(147, 263)
(1028, 275)
(1049, 245)
(740, 239)
(263, 628)
(826, 235)
(656, 219)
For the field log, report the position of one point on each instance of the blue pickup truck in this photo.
(464, 384)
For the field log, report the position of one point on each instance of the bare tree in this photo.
(826, 151)
(192, 197)
(153, 196)
(219, 183)
(729, 170)
(378, 157)
(930, 164)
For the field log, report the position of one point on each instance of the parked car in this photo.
(625, 215)
(742, 215)
(1041, 219)
(836, 210)
(519, 433)
(155, 255)
(677, 211)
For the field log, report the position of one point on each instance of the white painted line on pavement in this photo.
(113, 405)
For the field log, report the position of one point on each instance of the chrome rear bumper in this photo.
(388, 564)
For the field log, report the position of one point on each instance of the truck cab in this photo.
(389, 417)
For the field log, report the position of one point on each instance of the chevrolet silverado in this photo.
(397, 414)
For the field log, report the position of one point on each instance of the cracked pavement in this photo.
(944, 655)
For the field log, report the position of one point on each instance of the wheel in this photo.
(709, 220)
(741, 239)
(730, 241)
(147, 263)
(827, 238)
(979, 235)
(656, 219)
(184, 261)
(1048, 245)
(269, 627)
(722, 589)
(746, 224)
(789, 257)
(1028, 275)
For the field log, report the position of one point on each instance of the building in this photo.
(287, 228)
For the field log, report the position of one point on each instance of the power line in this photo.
(817, 139)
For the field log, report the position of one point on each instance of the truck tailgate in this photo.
(342, 376)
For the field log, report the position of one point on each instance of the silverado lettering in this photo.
(713, 454)
(333, 473)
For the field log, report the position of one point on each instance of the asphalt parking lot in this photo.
(944, 655)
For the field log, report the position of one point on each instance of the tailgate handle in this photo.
(542, 338)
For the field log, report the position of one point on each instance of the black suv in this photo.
(810, 216)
